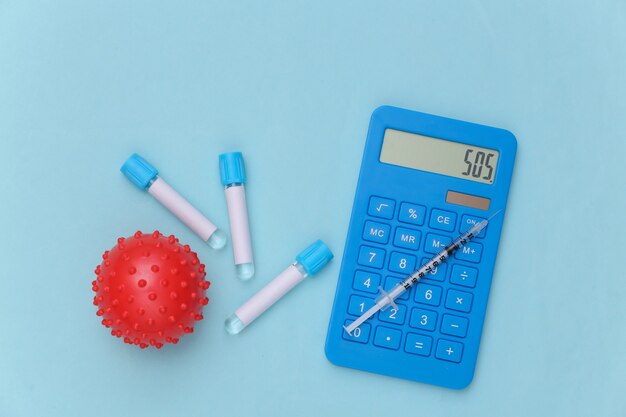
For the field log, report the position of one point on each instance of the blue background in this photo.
(291, 84)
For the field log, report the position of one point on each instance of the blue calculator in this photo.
(424, 180)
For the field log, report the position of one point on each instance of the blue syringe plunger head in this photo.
(315, 257)
(139, 171)
(232, 170)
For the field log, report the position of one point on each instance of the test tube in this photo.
(233, 176)
(146, 177)
(308, 262)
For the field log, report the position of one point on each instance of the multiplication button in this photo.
(459, 301)
(381, 207)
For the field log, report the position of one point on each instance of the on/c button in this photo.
(442, 220)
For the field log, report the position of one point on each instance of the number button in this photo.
(438, 273)
(372, 257)
(391, 282)
(418, 344)
(469, 221)
(428, 294)
(393, 315)
(401, 262)
(470, 252)
(361, 334)
(381, 207)
(454, 325)
(423, 319)
(459, 300)
(387, 338)
(435, 243)
(449, 351)
(376, 232)
(359, 305)
(442, 220)
(366, 281)
(412, 213)
(407, 238)
(463, 275)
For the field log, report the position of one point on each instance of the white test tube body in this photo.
(265, 298)
(187, 213)
(240, 230)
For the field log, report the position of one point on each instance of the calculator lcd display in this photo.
(440, 156)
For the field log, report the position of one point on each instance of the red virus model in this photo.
(150, 289)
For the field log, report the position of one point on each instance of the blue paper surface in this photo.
(292, 85)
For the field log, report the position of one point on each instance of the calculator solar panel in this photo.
(439, 177)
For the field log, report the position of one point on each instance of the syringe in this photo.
(386, 299)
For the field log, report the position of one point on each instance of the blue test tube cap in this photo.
(139, 171)
(315, 257)
(232, 170)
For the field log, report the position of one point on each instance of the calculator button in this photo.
(463, 275)
(361, 334)
(428, 294)
(359, 305)
(376, 232)
(393, 315)
(423, 319)
(381, 207)
(469, 221)
(412, 213)
(407, 238)
(372, 257)
(454, 325)
(442, 220)
(366, 281)
(470, 252)
(449, 351)
(391, 282)
(459, 300)
(438, 273)
(387, 338)
(418, 344)
(435, 243)
(401, 262)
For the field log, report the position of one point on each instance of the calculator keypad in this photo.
(432, 318)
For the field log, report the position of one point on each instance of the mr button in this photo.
(442, 220)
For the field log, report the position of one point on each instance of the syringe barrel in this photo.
(182, 209)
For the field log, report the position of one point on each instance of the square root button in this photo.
(381, 207)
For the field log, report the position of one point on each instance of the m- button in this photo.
(442, 220)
